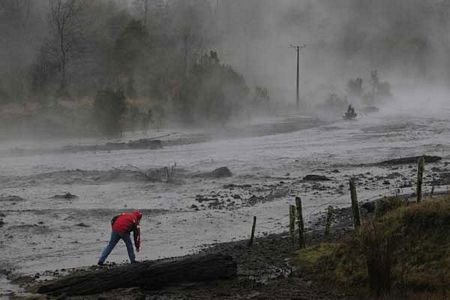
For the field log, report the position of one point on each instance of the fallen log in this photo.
(147, 275)
(409, 160)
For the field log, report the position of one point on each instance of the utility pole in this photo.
(298, 47)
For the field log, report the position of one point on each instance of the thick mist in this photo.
(207, 62)
(404, 40)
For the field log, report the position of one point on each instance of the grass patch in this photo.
(406, 248)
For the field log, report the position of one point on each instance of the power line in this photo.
(298, 47)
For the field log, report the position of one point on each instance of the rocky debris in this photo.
(9, 198)
(221, 172)
(409, 160)
(78, 176)
(444, 179)
(201, 198)
(166, 174)
(405, 184)
(67, 196)
(369, 206)
(233, 186)
(279, 192)
(253, 200)
(316, 178)
(394, 175)
(137, 144)
(145, 144)
(30, 228)
(318, 187)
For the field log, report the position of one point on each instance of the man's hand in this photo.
(138, 249)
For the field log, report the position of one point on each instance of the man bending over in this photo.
(122, 225)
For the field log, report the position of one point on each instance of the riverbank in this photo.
(328, 268)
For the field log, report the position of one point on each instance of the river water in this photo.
(43, 233)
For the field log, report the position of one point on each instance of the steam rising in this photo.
(404, 40)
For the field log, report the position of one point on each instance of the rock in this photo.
(195, 207)
(254, 199)
(335, 171)
(145, 144)
(66, 196)
(232, 186)
(369, 207)
(393, 175)
(2, 223)
(386, 182)
(444, 179)
(82, 225)
(409, 160)
(318, 187)
(221, 172)
(4, 198)
(316, 178)
(201, 198)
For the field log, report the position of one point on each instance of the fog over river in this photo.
(43, 232)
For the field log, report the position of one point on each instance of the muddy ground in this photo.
(55, 205)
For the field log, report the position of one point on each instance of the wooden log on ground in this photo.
(147, 275)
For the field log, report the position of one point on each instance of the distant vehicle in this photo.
(350, 114)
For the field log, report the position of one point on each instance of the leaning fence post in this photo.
(420, 169)
(250, 243)
(292, 223)
(355, 206)
(301, 229)
(330, 212)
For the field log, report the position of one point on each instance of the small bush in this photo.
(387, 204)
(406, 248)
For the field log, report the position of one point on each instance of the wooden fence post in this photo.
(420, 170)
(301, 229)
(330, 212)
(292, 223)
(250, 243)
(355, 206)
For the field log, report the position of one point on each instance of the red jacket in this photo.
(127, 222)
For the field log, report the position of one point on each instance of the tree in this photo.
(109, 108)
(355, 87)
(131, 45)
(20, 33)
(65, 32)
(212, 91)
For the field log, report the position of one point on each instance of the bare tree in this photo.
(65, 29)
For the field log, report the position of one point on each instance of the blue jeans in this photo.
(115, 237)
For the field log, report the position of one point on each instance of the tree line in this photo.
(137, 62)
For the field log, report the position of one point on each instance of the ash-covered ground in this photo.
(189, 206)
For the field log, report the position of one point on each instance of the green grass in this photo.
(415, 238)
